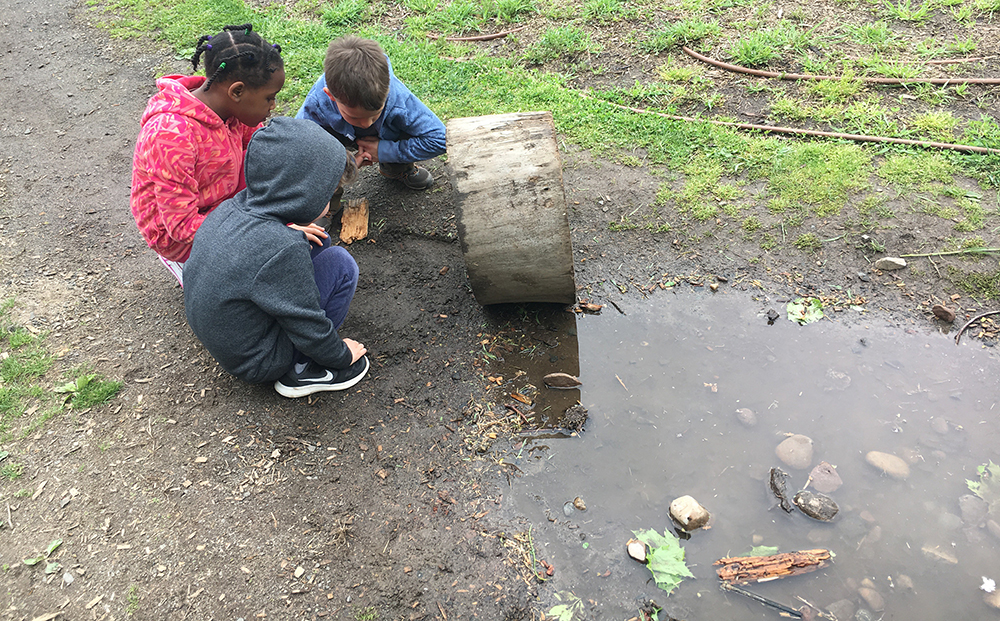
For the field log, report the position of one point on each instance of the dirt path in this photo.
(192, 495)
(195, 496)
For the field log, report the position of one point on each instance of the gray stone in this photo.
(949, 521)
(796, 451)
(890, 264)
(689, 513)
(841, 609)
(889, 464)
(873, 598)
(746, 417)
(824, 478)
(974, 510)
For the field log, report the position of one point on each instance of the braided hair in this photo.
(238, 53)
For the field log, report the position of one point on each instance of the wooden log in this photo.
(511, 208)
(354, 221)
(745, 569)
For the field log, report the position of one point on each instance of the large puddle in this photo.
(662, 385)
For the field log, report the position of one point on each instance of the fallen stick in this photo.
(744, 569)
(969, 323)
(785, 610)
(485, 37)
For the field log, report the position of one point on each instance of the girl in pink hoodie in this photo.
(189, 153)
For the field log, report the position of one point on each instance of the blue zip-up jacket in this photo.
(407, 129)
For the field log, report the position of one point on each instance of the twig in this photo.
(799, 76)
(485, 37)
(935, 266)
(969, 323)
(788, 610)
(954, 252)
(617, 308)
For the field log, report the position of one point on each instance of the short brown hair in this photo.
(357, 72)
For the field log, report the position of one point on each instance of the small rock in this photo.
(746, 417)
(873, 598)
(949, 521)
(689, 513)
(974, 510)
(817, 506)
(796, 451)
(561, 380)
(579, 504)
(938, 553)
(904, 582)
(939, 425)
(824, 478)
(299, 571)
(636, 549)
(772, 316)
(992, 599)
(993, 527)
(890, 264)
(889, 464)
(841, 609)
(67, 578)
(863, 614)
(943, 313)
(567, 508)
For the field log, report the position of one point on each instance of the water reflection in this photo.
(662, 387)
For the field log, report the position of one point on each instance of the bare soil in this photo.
(193, 495)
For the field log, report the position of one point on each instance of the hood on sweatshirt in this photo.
(293, 167)
(176, 96)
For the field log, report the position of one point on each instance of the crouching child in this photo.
(265, 302)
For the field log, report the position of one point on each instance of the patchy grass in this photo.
(27, 398)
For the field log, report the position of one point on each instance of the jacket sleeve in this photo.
(421, 134)
(169, 192)
(285, 289)
(318, 108)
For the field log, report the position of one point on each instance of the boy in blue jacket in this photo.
(263, 301)
(361, 102)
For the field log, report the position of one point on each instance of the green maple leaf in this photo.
(988, 486)
(804, 310)
(665, 558)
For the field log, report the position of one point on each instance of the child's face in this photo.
(356, 115)
(256, 103)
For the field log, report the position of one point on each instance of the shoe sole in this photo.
(293, 392)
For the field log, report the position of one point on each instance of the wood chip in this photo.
(94, 602)
(354, 221)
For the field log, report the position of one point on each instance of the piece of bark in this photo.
(354, 221)
(745, 569)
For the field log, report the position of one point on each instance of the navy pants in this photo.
(336, 275)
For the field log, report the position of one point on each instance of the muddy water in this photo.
(662, 385)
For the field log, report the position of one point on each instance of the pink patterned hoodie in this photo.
(187, 161)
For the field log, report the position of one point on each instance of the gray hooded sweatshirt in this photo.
(249, 291)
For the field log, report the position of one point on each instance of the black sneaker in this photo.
(315, 378)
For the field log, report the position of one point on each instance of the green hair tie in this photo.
(246, 32)
(222, 65)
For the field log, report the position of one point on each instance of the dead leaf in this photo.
(521, 398)
(561, 380)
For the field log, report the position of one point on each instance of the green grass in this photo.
(562, 56)
(559, 42)
(27, 399)
(683, 32)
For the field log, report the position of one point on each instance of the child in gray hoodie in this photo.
(264, 302)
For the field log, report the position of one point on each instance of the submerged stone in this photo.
(817, 506)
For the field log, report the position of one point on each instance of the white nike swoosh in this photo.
(325, 378)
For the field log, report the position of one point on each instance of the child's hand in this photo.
(314, 232)
(367, 151)
(357, 349)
